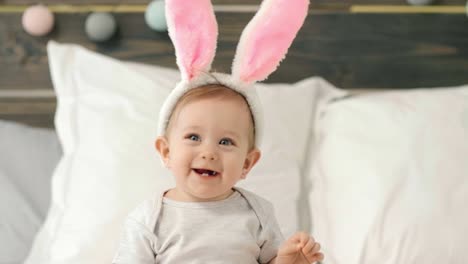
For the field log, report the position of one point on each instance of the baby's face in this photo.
(209, 148)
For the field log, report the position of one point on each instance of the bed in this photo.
(373, 164)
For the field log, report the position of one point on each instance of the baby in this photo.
(209, 128)
(209, 145)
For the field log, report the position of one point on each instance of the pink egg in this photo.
(38, 20)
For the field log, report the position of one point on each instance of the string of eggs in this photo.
(38, 20)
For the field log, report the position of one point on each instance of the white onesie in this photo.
(240, 229)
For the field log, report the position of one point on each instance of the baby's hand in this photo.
(299, 249)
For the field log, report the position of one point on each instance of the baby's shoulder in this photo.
(145, 212)
(259, 204)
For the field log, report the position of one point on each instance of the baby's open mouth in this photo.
(204, 172)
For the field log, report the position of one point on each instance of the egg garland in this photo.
(100, 26)
(37, 20)
(155, 16)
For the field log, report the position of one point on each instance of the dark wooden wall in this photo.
(351, 50)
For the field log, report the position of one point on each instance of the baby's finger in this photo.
(304, 238)
(307, 249)
(320, 256)
(317, 257)
(289, 248)
(299, 238)
(316, 248)
(312, 254)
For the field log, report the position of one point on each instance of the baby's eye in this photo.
(193, 137)
(226, 141)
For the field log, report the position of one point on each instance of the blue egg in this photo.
(100, 26)
(420, 2)
(155, 16)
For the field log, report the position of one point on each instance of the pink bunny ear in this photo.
(193, 29)
(267, 38)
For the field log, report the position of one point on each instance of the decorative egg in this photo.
(155, 16)
(37, 20)
(100, 26)
(420, 2)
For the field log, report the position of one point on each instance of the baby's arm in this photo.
(300, 248)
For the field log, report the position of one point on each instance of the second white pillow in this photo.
(389, 181)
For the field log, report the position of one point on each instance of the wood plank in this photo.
(140, 5)
(251, 8)
(391, 2)
(384, 9)
(31, 111)
(315, 3)
(131, 2)
(371, 51)
(347, 4)
(117, 8)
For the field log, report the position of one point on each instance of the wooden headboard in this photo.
(356, 44)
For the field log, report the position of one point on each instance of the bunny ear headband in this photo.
(263, 44)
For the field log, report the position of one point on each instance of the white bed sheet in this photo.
(27, 159)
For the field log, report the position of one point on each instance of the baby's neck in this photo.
(180, 196)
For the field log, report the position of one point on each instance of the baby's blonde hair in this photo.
(212, 91)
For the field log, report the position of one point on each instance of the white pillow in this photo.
(106, 121)
(390, 178)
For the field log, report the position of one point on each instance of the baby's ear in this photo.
(162, 146)
(252, 158)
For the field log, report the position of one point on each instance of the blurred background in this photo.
(352, 44)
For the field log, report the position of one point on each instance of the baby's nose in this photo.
(209, 156)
